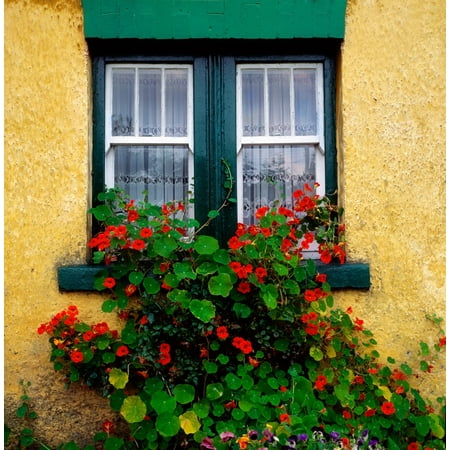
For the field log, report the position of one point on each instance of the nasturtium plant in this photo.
(237, 347)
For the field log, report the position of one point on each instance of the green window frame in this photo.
(214, 85)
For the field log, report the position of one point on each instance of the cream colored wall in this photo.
(391, 135)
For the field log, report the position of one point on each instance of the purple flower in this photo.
(227, 436)
(253, 435)
(268, 435)
(302, 437)
(207, 444)
(334, 435)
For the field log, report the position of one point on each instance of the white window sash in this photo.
(111, 140)
(318, 139)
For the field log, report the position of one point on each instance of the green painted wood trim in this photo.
(345, 276)
(214, 19)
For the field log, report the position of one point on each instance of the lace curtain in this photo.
(150, 102)
(276, 102)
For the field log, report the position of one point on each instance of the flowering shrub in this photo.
(237, 347)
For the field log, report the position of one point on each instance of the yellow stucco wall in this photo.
(391, 119)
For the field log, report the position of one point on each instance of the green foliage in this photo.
(238, 347)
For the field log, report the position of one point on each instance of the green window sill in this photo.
(345, 276)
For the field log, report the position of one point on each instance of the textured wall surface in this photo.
(391, 117)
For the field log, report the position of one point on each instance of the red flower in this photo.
(312, 329)
(76, 356)
(358, 324)
(261, 212)
(310, 295)
(100, 328)
(132, 215)
(88, 335)
(164, 359)
(130, 290)
(244, 287)
(320, 383)
(222, 332)
(346, 414)
(241, 229)
(204, 352)
(143, 320)
(413, 446)
(442, 341)
(164, 348)
(358, 379)
(122, 351)
(146, 233)
(321, 277)
(230, 405)
(138, 244)
(370, 412)
(325, 256)
(234, 243)
(283, 388)
(107, 427)
(243, 345)
(388, 408)
(165, 228)
(72, 310)
(285, 418)
(261, 273)
(109, 282)
(253, 362)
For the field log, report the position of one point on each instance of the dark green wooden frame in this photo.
(214, 125)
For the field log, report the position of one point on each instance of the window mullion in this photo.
(266, 103)
(163, 101)
(136, 102)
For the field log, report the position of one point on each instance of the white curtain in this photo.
(162, 108)
(277, 102)
(159, 170)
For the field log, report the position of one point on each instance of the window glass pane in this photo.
(305, 102)
(150, 102)
(176, 102)
(253, 102)
(279, 102)
(160, 170)
(271, 173)
(122, 121)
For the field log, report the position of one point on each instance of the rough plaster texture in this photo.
(391, 119)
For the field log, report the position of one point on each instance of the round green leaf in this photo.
(238, 414)
(167, 424)
(214, 391)
(109, 305)
(184, 393)
(162, 403)
(165, 246)
(135, 277)
(204, 310)
(206, 245)
(184, 270)
(233, 382)
(151, 285)
(207, 268)
(210, 366)
(133, 409)
(201, 408)
(220, 285)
